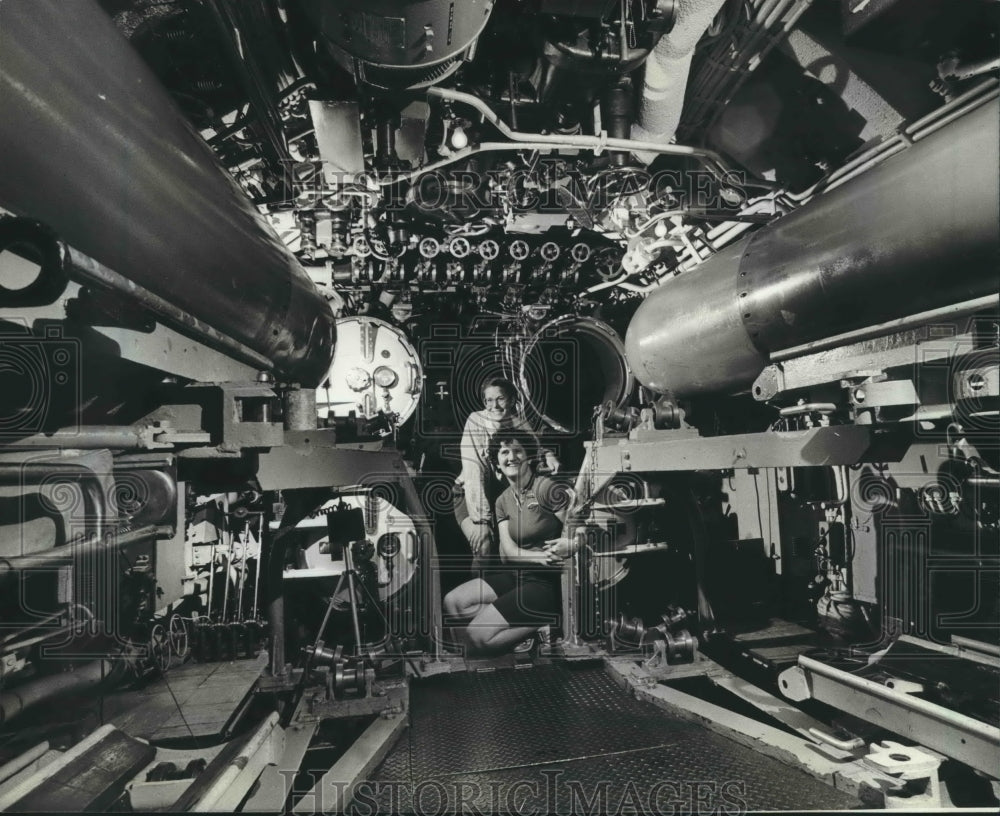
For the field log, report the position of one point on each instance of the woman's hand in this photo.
(539, 557)
(480, 536)
(549, 463)
(559, 549)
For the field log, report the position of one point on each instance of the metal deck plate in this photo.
(193, 700)
(565, 738)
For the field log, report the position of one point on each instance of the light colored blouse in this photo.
(476, 473)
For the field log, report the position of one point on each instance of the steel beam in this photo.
(672, 451)
(968, 740)
(334, 792)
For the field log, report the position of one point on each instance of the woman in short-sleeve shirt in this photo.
(475, 491)
(508, 605)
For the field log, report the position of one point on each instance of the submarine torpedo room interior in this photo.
(281, 282)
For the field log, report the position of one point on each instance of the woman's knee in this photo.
(479, 637)
(452, 602)
(463, 597)
(487, 624)
(468, 596)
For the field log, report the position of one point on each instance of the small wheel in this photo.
(550, 251)
(361, 247)
(489, 250)
(519, 250)
(159, 648)
(180, 639)
(459, 247)
(429, 247)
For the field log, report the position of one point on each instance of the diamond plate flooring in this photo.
(565, 739)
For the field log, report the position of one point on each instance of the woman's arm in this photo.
(510, 552)
(479, 536)
(572, 514)
(475, 469)
(557, 549)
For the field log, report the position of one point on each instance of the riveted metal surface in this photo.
(704, 774)
(475, 722)
(392, 782)
(566, 739)
(900, 225)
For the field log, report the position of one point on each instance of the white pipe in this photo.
(235, 768)
(537, 141)
(667, 71)
(643, 290)
(976, 645)
(608, 284)
(22, 761)
(597, 144)
(952, 69)
(28, 785)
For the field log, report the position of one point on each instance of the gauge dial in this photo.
(385, 377)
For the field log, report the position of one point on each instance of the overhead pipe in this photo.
(86, 437)
(100, 510)
(92, 145)
(725, 74)
(710, 159)
(88, 676)
(76, 548)
(60, 263)
(917, 232)
(667, 70)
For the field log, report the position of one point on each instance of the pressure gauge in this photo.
(385, 377)
(389, 545)
(375, 366)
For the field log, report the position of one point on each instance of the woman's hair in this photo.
(508, 388)
(505, 435)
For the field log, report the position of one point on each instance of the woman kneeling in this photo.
(508, 605)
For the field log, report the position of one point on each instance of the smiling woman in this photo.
(508, 605)
(476, 488)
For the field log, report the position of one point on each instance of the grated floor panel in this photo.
(565, 739)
